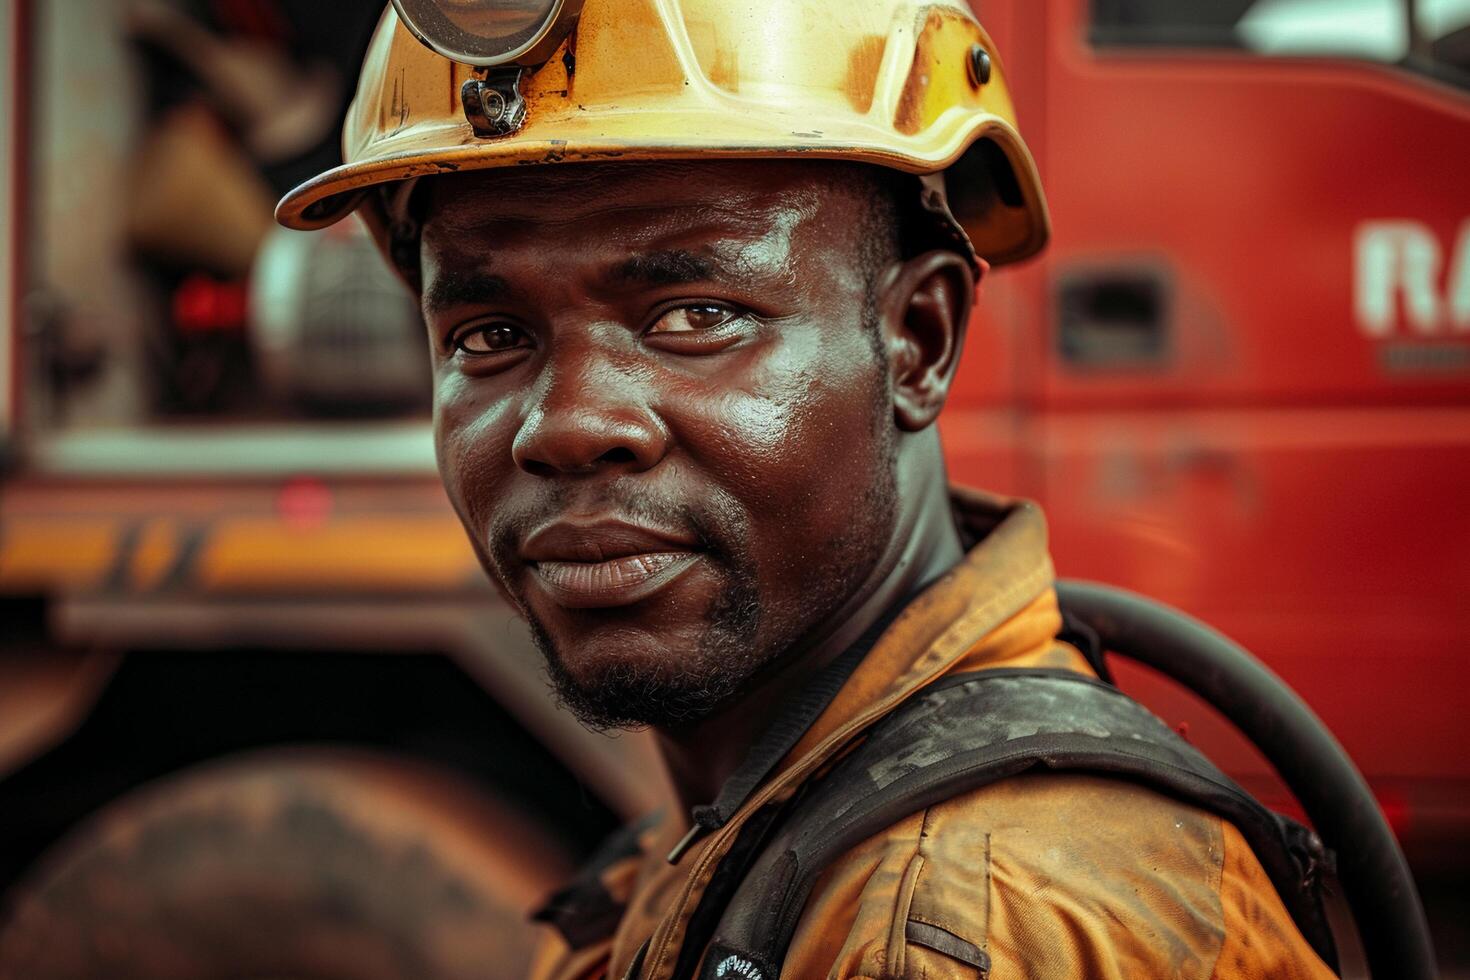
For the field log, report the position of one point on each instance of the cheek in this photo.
(473, 431)
(794, 436)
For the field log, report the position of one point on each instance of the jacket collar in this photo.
(951, 623)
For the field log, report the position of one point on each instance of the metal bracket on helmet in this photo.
(493, 103)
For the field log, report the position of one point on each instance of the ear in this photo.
(926, 309)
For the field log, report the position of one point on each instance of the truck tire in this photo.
(285, 864)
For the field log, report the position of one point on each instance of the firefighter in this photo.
(697, 277)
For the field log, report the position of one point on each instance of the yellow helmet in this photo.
(913, 85)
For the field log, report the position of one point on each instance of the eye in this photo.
(687, 319)
(490, 338)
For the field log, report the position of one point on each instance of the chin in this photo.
(625, 681)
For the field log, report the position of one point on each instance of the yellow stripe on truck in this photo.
(390, 553)
(409, 553)
(57, 553)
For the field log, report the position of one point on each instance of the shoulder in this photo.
(1049, 875)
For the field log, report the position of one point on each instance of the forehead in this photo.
(635, 204)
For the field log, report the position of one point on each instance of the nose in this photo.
(587, 415)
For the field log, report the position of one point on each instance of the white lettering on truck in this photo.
(1397, 268)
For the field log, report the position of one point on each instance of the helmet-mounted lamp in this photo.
(498, 38)
(490, 33)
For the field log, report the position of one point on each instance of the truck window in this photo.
(1429, 36)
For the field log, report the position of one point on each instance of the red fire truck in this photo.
(1238, 380)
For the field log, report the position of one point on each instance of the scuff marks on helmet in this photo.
(940, 49)
(863, 64)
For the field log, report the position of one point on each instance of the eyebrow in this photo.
(669, 267)
(464, 289)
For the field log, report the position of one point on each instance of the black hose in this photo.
(1374, 876)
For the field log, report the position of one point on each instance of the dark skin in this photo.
(689, 426)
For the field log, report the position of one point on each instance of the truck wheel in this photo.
(287, 864)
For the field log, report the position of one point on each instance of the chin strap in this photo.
(934, 201)
(388, 212)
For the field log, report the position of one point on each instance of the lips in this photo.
(606, 563)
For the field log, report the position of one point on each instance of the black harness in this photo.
(967, 731)
(958, 734)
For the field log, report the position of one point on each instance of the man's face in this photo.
(661, 414)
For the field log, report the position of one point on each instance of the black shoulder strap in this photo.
(584, 911)
(968, 731)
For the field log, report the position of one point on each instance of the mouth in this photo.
(607, 563)
(619, 582)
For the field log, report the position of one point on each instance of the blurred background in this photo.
(260, 714)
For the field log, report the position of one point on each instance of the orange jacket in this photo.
(1049, 874)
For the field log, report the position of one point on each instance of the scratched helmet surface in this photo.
(914, 86)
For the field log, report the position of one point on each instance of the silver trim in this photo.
(394, 448)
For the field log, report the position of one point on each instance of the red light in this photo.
(304, 503)
(205, 305)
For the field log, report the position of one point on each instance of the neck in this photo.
(924, 545)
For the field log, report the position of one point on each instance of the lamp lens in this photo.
(478, 32)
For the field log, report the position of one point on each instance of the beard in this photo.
(625, 693)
